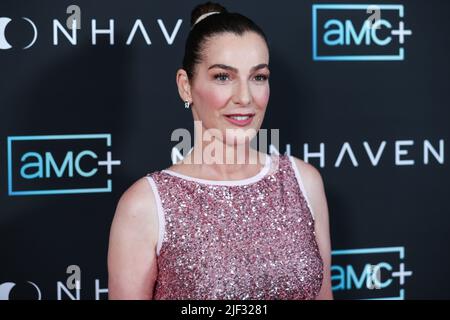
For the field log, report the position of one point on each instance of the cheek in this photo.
(261, 96)
(213, 97)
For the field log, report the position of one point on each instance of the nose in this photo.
(242, 94)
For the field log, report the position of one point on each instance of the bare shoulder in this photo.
(132, 244)
(137, 199)
(310, 175)
(314, 188)
(136, 213)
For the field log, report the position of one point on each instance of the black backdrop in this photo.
(70, 104)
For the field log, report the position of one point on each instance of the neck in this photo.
(214, 157)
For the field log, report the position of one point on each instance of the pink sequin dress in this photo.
(241, 239)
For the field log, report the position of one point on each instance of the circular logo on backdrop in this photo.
(12, 291)
(4, 44)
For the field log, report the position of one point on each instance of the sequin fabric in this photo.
(254, 241)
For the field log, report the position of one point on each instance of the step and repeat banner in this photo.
(359, 90)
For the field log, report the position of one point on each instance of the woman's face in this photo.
(230, 89)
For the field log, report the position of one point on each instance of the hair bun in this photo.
(205, 8)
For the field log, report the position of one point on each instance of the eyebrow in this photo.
(224, 66)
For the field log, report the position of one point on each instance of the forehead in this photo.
(240, 51)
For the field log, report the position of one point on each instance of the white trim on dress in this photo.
(300, 183)
(241, 182)
(160, 210)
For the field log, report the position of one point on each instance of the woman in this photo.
(220, 230)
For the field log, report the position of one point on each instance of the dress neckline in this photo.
(240, 182)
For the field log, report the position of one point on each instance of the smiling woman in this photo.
(215, 229)
(229, 88)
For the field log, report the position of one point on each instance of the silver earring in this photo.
(187, 104)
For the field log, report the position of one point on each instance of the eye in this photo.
(222, 77)
(261, 77)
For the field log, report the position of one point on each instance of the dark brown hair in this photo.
(214, 24)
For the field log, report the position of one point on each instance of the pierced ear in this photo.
(184, 87)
